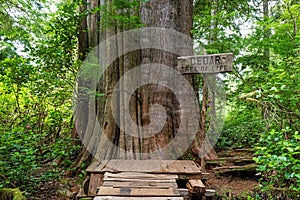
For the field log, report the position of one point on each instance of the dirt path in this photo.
(233, 174)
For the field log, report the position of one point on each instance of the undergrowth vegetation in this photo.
(263, 91)
(39, 62)
(37, 143)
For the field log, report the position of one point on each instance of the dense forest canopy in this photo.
(41, 51)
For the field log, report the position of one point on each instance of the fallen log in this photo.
(234, 160)
(224, 169)
(236, 152)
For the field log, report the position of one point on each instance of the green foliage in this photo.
(19, 160)
(278, 154)
(37, 89)
(269, 83)
(35, 131)
(123, 14)
(36, 102)
(215, 26)
(264, 87)
(11, 194)
(216, 29)
(7, 50)
(19, 19)
(272, 83)
(241, 129)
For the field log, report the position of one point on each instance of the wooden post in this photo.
(95, 182)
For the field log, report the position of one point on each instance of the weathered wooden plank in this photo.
(197, 183)
(134, 175)
(184, 167)
(180, 167)
(213, 63)
(202, 176)
(141, 192)
(140, 184)
(195, 186)
(97, 166)
(140, 180)
(136, 198)
(110, 166)
(147, 166)
(183, 191)
(209, 192)
(92, 166)
(189, 176)
(205, 176)
(133, 165)
(96, 181)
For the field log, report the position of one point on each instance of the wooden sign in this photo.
(205, 64)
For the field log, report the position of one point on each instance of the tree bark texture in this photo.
(171, 14)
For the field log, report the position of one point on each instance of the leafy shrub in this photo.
(36, 103)
(241, 130)
(278, 157)
(18, 159)
(26, 163)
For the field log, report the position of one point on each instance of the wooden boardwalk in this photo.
(128, 184)
(145, 179)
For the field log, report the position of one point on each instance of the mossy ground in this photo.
(11, 194)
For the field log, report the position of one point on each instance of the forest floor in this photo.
(232, 176)
(233, 185)
(227, 186)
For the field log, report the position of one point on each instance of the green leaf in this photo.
(290, 149)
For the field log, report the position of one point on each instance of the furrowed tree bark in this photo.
(164, 14)
(176, 15)
(83, 46)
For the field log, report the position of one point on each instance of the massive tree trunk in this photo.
(97, 27)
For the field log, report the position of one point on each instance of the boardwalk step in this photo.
(132, 184)
(137, 198)
(138, 192)
(146, 179)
